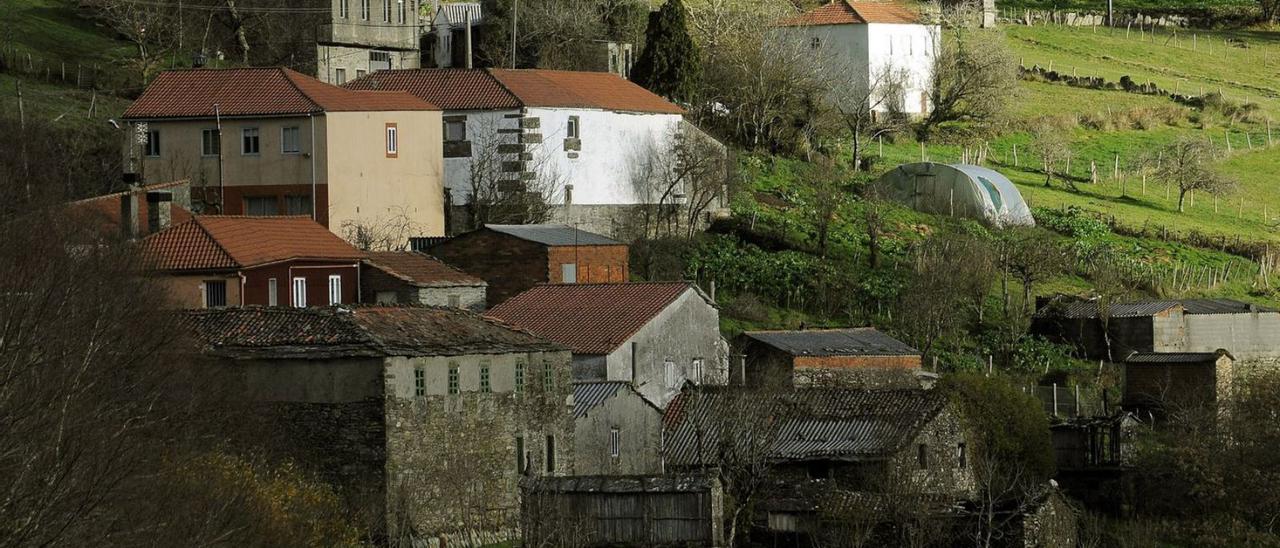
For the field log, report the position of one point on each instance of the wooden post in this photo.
(22, 114)
(1193, 42)
(1015, 155)
(1055, 399)
(93, 104)
(921, 151)
(1115, 171)
(1248, 140)
(1093, 171)
(880, 152)
(1228, 137)
(1268, 132)
(1240, 214)
(1144, 182)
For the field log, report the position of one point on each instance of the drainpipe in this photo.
(312, 121)
(242, 282)
(222, 199)
(634, 365)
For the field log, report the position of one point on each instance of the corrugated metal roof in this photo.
(588, 395)
(553, 235)
(683, 483)
(1173, 357)
(456, 13)
(1138, 309)
(1221, 306)
(798, 425)
(861, 341)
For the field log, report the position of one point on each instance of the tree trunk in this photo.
(1182, 197)
(238, 22)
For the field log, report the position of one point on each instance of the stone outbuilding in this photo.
(1154, 381)
(389, 277)
(656, 335)
(862, 357)
(424, 419)
(616, 431)
(514, 258)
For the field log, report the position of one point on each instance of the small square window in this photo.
(815, 43)
(453, 378)
(290, 140)
(574, 126)
(210, 142)
(360, 73)
(215, 293)
(419, 382)
(249, 140)
(153, 143)
(340, 75)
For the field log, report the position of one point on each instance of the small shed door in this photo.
(569, 273)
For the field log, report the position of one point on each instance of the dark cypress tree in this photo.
(669, 65)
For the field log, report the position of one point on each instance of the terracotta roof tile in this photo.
(483, 89)
(263, 91)
(843, 12)
(215, 242)
(419, 269)
(589, 318)
(282, 332)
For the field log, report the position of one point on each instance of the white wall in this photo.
(855, 52)
(612, 144)
(907, 47)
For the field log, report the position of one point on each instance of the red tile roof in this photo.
(105, 209)
(218, 242)
(844, 12)
(589, 318)
(420, 269)
(263, 91)
(484, 89)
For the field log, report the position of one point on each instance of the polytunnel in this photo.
(960, 190)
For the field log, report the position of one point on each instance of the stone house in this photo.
(388, 277)
(364, 36)
(858, 358)
(514, 258)
(857, 42)
(856, 438)
(423, 418)
(1155, 380)
(270, 141)
(592, 144)
(1162, 326)
(215, 261)
(656, 335)
(616, 431)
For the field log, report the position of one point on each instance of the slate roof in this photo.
(589, 395)
(800, 425)
(845, 12)
(1089, 309)
(420, 269)
(860, 341)
(491, 89)
(359, 331)
(1175, 357)
(220, 242)
(677, 483)
(258, 91)
(589, 318)
(553, 235)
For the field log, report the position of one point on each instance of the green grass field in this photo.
(58, 30)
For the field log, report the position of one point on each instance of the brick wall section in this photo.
(596, 263)
(510, 265)
(857, 362)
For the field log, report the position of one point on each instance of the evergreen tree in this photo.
(669, 65)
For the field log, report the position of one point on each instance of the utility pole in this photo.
(515, 16)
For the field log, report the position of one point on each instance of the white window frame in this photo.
(393, 140)
(335, 289)
(340, 76)
(386, 11)
(299, 292)
(573, 129)
(403, 9)
(297, 140)
(615, 442)
(698, 365)
(344, 8)
(244, 141)
(273, 292)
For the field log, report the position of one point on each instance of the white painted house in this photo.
(864, 39)
(584, 138)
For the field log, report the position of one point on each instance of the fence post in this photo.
(1077, 400)
(1055, 399)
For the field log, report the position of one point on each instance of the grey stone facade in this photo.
(621, 421)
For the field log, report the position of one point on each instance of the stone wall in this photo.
(946, 472)
(639, 426)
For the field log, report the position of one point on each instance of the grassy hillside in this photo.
(58, 30)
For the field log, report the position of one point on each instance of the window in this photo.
(548, 381)
(551, 454)
(210, 142)
(697, 370)
(453, 378)
(519, 376)
(922, 456)
(297, 204)
(815, 43)
(455, 301)
(572, 131)
(360, 73)
(455, 130)
(335, 289)
(344, 8)
(273, 293)
(402, 8)
(568, 273)
(520, 454)
(261, 206)
(290, 140)
(393, 144)
(364, 9)
(419, 382)
(340, 75)
(484, 378)
(215, 293)
(300, 292)
(669, 370)
(153, 143)
(386, 10)
(962, 459)
(249, 140)
(615, 442)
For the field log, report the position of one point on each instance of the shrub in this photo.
(1072, 221)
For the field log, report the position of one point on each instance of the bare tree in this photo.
(1054, 148)
(942, 283)
(974, 76)
(504, 187)
(150, 27)
(676, 179)
(870, 111)
(390, 233)
(1188, 163)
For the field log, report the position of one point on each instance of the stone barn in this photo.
(1155, 381)
(857, 358)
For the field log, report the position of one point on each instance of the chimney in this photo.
(634, 366)
(129, 212)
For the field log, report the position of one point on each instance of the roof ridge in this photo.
(288, 76)
(503, 85)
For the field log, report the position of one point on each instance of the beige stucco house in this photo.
(271, 141)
